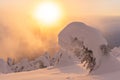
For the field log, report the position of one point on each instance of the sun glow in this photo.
(47, 13)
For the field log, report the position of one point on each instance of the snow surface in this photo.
(73, 72)
(109, 64)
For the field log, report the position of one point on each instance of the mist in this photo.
(18, 42)
(109, 27)
(21, 36)
(112, 30)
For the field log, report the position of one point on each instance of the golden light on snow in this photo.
(47, 12)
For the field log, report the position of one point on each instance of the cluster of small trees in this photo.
(28, 65)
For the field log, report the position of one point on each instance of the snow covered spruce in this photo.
(86, 43)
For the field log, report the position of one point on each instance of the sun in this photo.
(47, 12)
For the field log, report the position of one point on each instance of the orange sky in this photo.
(16, 15)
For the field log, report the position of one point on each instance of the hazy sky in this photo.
(19, 33)
(93, 7)
(73, 7)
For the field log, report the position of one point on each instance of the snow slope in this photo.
(109, 64)
(73, 72)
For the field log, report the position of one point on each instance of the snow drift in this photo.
(4, 68)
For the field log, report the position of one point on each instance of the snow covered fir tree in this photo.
(88, 45)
